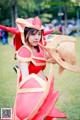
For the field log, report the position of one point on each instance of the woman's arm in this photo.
(24, 69)
(42, 75)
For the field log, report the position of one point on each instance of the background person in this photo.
(4, 37)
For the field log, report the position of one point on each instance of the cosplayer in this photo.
(35, 97)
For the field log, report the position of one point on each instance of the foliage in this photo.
(25, 8)
(47, 10)
(5, 11)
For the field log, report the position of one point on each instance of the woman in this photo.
(35, 96)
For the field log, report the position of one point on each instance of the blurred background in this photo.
(62, 15)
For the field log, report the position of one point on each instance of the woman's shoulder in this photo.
(24, 54)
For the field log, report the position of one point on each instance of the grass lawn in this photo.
(68, 83)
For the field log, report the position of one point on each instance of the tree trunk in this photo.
(14, 13)
(65, 16)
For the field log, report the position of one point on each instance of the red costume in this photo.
(34, 94)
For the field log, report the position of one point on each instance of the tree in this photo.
(67, 7)
(47, 10)
(14, 12)
(13, 9)
(5, 11)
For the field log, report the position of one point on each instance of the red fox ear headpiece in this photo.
(30, 23)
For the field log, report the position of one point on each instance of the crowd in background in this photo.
(3, 37)
(71, 28)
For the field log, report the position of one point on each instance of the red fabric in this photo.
(17, 42)
(47, 108)
(47, 32)
(37, 22)
(54, 112)
(48, 102)
(10, 29)
(24, 52)
(35, 69)
(26, 102)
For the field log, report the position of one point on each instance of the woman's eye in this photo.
(39, 33)
(33, 34)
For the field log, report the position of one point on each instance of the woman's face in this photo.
(34, 38)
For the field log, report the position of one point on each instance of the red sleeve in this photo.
(10, 29)
(17, 42)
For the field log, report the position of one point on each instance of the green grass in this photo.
(7, 76)
(68, 83)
